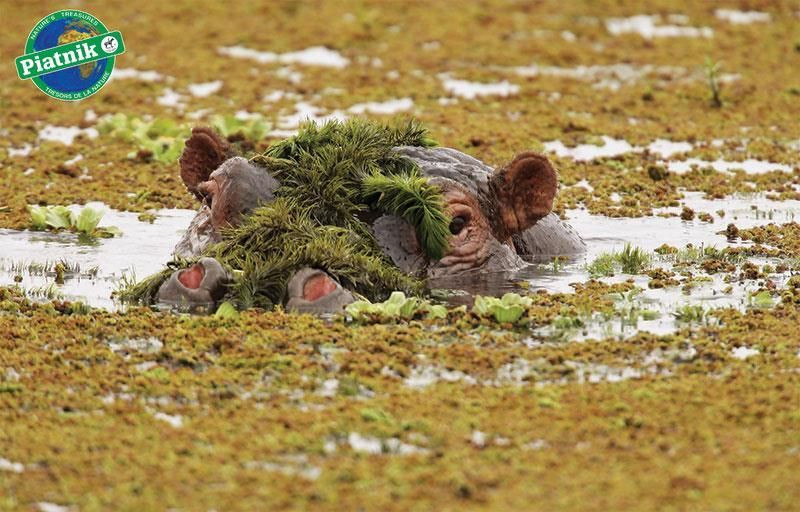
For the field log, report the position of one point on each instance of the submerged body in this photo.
(498, 218)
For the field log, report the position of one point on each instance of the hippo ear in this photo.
(203, 152)
(523, 192)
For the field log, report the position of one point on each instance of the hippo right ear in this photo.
(203, 152)
(523, 192)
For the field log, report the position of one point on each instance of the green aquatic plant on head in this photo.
(340, 171)
(280, 238)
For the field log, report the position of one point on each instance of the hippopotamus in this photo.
(499, 218)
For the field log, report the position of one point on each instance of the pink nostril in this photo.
(318, 286)
(192, 276)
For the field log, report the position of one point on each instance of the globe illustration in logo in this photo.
(63, 31)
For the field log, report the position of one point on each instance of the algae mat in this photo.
(140, 410)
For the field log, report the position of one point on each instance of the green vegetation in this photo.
(419, 204)
(160, 138)
(85, 222)
(711, 69)
(330, 176)
(396, 307)
(691, 313)
(509, 309)
(230, 414)
(253, 128)
(630, 260)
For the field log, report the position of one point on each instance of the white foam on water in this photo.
(289, 465)
(292, 75)
(303, 111)
(25, 150)
(649, 27)
(586, 152)
(383, 107)
(603, 76)
(199, 113)
(742, 17)
(313, 56)
(478, 438)
(65, 134)
(378, 446)
(666, 148)
(175, 420)
(472, 90)
(13, 467)
(74, 160)
(744, 352)
(171, 98)
(750, 165)
(424, 376)
(205, 89)
(46, 506)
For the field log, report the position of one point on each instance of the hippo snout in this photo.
(198, 286)
(314, 291)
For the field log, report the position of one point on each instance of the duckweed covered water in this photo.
(675, 388)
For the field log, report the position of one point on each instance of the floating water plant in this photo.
(507, 310)
(85, 222)
(162, 138)
(253, 128)
(397, 306)
(762, 299)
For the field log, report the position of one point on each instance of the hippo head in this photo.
(488, 211)
(493, 215)
(229, 185)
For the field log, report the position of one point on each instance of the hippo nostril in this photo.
(192, 276)
(317, 286)
(206, 192)
(457, 224)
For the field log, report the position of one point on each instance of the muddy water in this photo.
(144, 248)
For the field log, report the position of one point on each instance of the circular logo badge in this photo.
(69, 55)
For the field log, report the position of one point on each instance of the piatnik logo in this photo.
(69, 55)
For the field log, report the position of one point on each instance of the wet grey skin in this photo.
(501, 218)
(210, 280)
(331, 302)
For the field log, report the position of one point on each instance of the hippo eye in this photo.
(457, 224)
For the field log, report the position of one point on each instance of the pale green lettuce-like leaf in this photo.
(58, 217)
(87, 220)
(508, 309)
(507, 314)
(437, 311)
(108, 232)
(253, 129)
(227, 311)
(38, 217)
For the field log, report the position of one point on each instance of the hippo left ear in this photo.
(523, 192)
